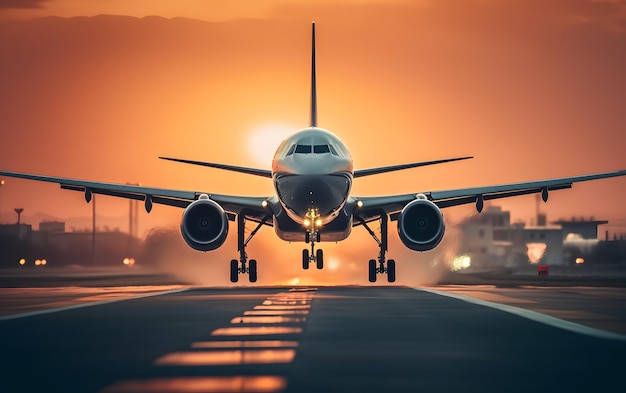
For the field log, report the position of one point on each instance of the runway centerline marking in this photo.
(227, 357)
(90, 304)
(533, 316)
(262, 345)
(199, 384)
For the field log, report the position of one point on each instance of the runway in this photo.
(330, 339)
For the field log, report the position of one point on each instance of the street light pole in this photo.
(93, 230)
(1, 184)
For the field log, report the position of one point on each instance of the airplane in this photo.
(312, 173)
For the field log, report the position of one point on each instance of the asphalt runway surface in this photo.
(325, 339)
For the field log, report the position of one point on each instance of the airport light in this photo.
(22, 262)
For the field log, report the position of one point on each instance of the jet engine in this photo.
(420, 225)
(204, 225)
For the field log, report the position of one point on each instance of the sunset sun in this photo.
(264, 140)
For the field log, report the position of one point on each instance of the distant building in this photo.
(587, 229)
(491, 240)
(52, 226)
(51, 242)
(18, 231)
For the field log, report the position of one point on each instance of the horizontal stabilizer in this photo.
(241, 169)
(384, 169)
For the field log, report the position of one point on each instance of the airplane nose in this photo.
(324, 192)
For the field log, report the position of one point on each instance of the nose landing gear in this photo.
(313, 256)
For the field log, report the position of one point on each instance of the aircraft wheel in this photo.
(391, 270)
(307, 237)
(319, 258)
(305, 259)
(234, 270)
(372, 270)
(252, 270)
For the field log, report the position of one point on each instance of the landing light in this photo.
(318, 222)
(359, 203)
(307, 222)
(580, 261)
(129, 261)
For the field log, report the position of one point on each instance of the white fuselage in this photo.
(312, 173)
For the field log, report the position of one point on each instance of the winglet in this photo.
(313, 81)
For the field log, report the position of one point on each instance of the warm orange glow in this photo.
(245, 344)
(263, 141)
(282, 307)
(254, 331)
(535, 252)
(258, 384)
(214, 358)
(388, 75)
(284, 302)
(22, 262)
(580, 261)
(275, 312)
(266, 319)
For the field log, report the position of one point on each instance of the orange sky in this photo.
(531, 88)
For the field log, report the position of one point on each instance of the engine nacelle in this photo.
(204, 225)
(420, 225)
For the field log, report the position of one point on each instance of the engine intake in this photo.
(204, 225)
(420, 225)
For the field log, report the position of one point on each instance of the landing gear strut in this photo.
(378, 266)
(313, 256)
(238, 267)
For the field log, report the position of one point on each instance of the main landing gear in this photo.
(314, 256)
(378, 266)
(238, 267)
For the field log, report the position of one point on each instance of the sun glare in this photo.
(264, 140)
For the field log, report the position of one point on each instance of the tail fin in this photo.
(313, 82)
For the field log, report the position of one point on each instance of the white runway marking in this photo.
(533, 316)
(83, 305)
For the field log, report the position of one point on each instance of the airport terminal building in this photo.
(491, 240)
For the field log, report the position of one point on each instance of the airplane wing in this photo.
(252, 206)
(391, 168)
(241, 169)
(393, 204)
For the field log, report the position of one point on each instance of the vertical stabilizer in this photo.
(313, 81)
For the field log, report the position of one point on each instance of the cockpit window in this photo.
(308, 149)
(303, 148)
(320, 149)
